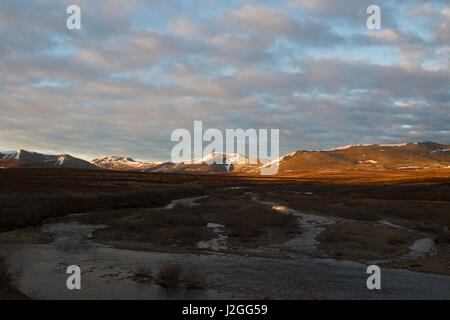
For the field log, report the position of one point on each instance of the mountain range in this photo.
(424, 155)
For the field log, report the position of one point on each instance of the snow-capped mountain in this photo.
(208, 164)
(219, 157)
(160, 166)
(10, 155)
(229, 161)
(214, 162)
(24, 158)
(122, 163)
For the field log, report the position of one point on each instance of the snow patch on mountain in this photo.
(394, 145)
(440, 150)
(279, 160)
(10, 154)
(229, 160)
(222, 158)
(125, 163)
(368, 145)
(117, 162)
(347, 147)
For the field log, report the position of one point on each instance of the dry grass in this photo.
(19, 210)
(165, 227)
(193, 279)
(143, 274)
(170, 276)
(247, 223)
(362, 205)
(364, 241)
(175, 276)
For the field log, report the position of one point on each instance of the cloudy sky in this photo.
(139, 69)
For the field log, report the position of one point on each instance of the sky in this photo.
(139, 69)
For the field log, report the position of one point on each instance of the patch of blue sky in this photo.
(62, 47)
(51, 84)
(266, 99)
(433, 64)
(159, 14)
(397, 102)
(375, 54)
(157, 75)
(121, 75)
(150, 18)
(61, 51)
(286, 55)
(348, 30)
(196, 60)
(413, 24)
(227, 71)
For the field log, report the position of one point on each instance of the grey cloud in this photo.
(333, 75)
(273, 23)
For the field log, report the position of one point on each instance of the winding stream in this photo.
(310, 226)
(420, 247)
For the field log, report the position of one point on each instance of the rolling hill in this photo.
(425, 155)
